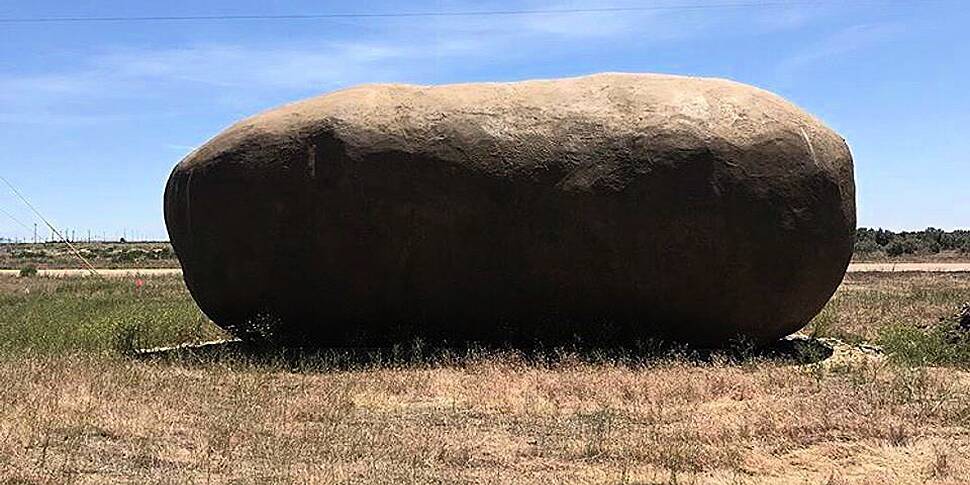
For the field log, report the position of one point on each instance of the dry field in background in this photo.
(946, 256)
(159, 254)
(99, 254)
(72, 410)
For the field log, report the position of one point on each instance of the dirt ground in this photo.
(937, 267)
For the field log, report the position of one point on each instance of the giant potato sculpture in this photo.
(611, 208)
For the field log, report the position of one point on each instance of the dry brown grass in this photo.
(86, 419)
(89, 416)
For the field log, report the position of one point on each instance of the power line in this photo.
(51, 226)
(351, 15)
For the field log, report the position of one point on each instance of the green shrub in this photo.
(927, 241)
(28, 271)
(904, 245)
(866, 246)
(942, 344)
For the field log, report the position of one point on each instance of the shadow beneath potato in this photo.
(791, 350)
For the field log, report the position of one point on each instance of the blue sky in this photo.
(94, 115)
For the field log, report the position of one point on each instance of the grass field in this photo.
(74, 408)
(89, 314)
(867, 304)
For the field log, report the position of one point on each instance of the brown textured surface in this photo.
(612, 207)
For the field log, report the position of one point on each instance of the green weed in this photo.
(942, 344)
(88, 314)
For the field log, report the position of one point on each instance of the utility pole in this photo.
(35, 233)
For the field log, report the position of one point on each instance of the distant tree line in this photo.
(928, 241)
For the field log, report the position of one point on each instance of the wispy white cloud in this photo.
(787, 17)
(677, 23)
(53, 117)
(257, 67)
(580, 25)
(836, 45)
(231, 73)
(557, 23)
(242, 75)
